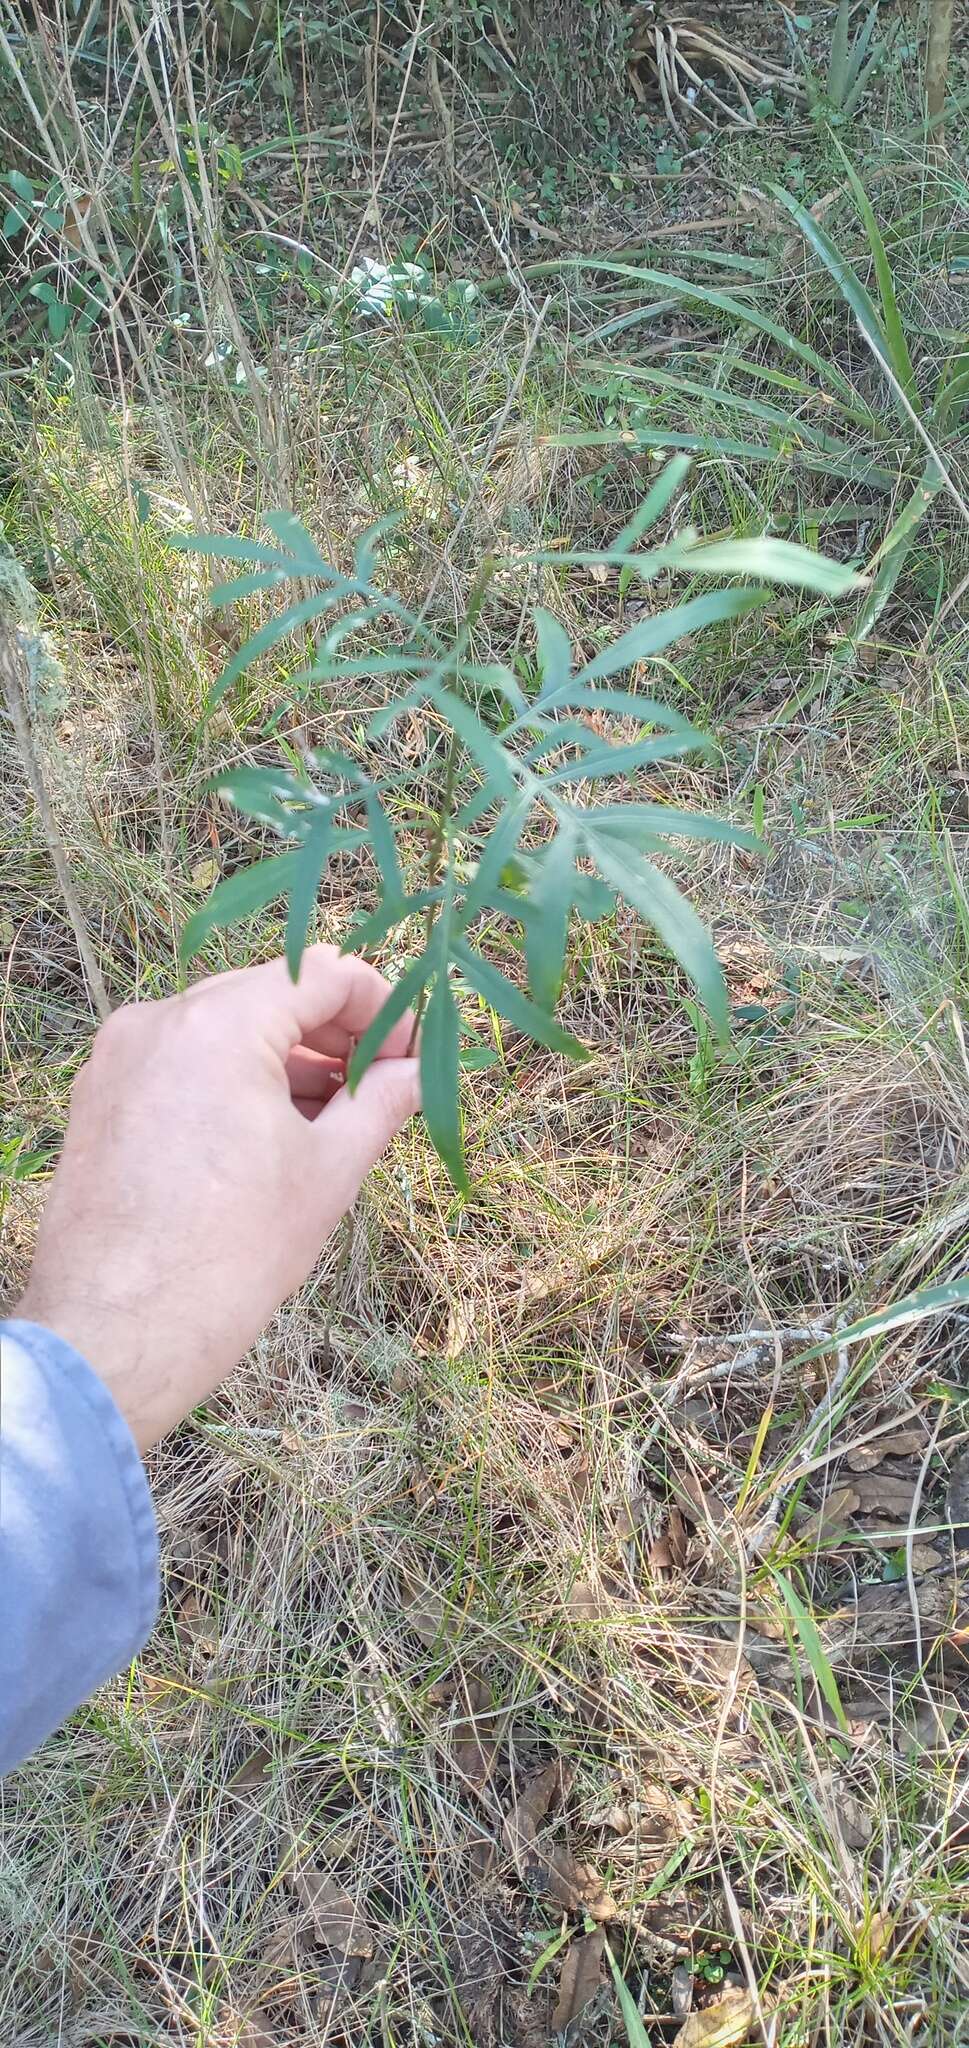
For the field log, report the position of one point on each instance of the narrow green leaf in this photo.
(890, 558)
(898, 349)
(554, 654)
(258, 793)
(629, 704)
(502, 995)
(837, 86)
(630, 821)
(402, 995)
(649, 891)
(812, 1646)
(856, 297)
(499, 848)
(367, 548)
(546, 934)
(654, 504)
(290, 531)
(245, 586)
(268, 636)
(239, 896)
(854, 469)
(368, 931)
(231, 547)
(491, 757)
(441, 1077)
(778, 561)
(608, 760)
(305, 887)
(746, 312)
(385, 850)
(636, 2034)
(651, 636)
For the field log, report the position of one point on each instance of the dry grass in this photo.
(524, 1483)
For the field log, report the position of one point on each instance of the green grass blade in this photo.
(837, 79)
(854, 293)
(654, 504)
(898, 350)
(636, 2034)
(777, 561)
(812, 1646)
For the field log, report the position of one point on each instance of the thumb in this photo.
(353, 1130)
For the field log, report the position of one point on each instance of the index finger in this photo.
(334, 1000)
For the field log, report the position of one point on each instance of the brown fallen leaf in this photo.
(194, 1627)
(475, 1733)
(338, 1922)
(256, 2032)
(252, 1770)
(424, 1610)
(834, 1510)
(532, 1803)
(573, 1885)
(880, 1494)
(677, 1537)
(580, 1979)
(902, 1443)
(718, 2026)
(585, 1602)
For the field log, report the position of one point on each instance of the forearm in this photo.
(78, 1544)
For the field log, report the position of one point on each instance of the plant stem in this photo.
(937, 63)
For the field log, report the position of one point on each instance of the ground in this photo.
(564, 1617)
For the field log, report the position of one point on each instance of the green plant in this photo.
(853, 64)
(925, 424)
(502, 836)
(786, 401)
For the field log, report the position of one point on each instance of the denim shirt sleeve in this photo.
(78, 1541)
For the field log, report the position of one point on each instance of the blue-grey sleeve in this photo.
(78, 1540)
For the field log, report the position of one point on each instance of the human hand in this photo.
(211, 1150)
